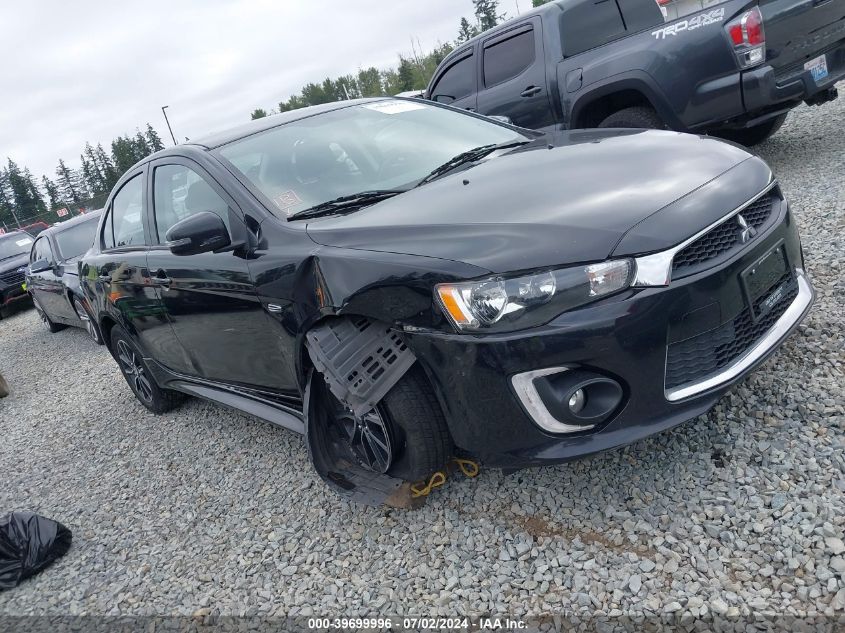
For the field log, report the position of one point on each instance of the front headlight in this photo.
(498, 304)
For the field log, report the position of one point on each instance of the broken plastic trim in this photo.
(360, 359)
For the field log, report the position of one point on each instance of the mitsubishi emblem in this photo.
(747, 232)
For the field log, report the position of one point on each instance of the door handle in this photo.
(530, 91)
(161, 279)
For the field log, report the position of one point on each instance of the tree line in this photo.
(23, 199)
(412, 73)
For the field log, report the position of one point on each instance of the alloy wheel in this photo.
(368, 437)
(134, 371)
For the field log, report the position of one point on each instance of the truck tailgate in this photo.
(800, 30)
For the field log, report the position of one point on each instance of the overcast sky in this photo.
(90, 71)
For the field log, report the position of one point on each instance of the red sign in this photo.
(62, 212)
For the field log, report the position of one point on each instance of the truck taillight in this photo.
(748, 38)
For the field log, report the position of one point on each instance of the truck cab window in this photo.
(590, 24)
(457, 82)
(508, 58)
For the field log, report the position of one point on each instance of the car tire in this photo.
(754, 135)
(419, 437)
(52, 327)
(87, 321)
(138, 376)
(635, 117)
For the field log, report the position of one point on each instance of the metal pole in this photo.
(163, 108)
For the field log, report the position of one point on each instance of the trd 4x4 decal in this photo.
(716, 16)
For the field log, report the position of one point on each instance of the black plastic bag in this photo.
(28, 544)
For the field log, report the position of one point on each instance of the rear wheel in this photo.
(635, 117)
(138, 376)
(755, 135)
(405, 436)
(87, 321)
(51, 327)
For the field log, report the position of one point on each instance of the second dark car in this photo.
(52, 277)
(404, 281)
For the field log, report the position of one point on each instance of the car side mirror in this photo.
(501, 118)
(202, 232)
(39, 266)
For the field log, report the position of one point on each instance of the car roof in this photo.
(79, 219)
(13, 234)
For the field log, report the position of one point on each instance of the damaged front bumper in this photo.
(646, 341)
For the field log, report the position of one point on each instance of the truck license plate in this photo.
(818, 68)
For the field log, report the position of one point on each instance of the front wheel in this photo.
(138, 376)
(405, 436)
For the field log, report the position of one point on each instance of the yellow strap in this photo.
(468, 467)
(423, 489)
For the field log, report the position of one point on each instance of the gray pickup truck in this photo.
(733, 68)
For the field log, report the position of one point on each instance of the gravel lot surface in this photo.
(204, 510)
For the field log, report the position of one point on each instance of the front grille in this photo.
(724, 238)
(700, 356)
(13, 278)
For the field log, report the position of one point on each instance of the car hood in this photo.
(566, 198)
(13, 263)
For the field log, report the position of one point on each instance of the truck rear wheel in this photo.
(755, 135)
(635, 117)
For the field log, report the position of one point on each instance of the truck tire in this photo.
(410, 416)
(635, 117)
(754, 135)
(138, 376)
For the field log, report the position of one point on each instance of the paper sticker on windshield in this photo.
(287, 200)
(24, 242)
(393, 107)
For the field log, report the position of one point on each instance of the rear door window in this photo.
(508, 58)
(590, 24)
(124, 226)
(641, 14)
(42, 250)
(456, 82)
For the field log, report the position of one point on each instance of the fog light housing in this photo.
(566, 400)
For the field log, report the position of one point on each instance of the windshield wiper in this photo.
(346, 204)
(469, 156)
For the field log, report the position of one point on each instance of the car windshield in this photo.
(76, 240)
(374, 146)
(14, 244)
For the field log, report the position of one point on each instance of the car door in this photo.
(46, 286)
(513, 76)
(209, 298)
(457, 83)
(121, 269)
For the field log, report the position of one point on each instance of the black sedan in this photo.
(14, 255)
(404, 282)
(52, 277)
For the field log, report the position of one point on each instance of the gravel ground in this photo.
(204, 510)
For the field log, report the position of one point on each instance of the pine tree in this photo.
(466, 32)
(7, 210)
(27, 199)
(142, 150)
(486, 13)
(123, 155)
(67, 182)
(369, 82)
(153, 139)
(53, 195)
(258, 113)
(94, 178)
